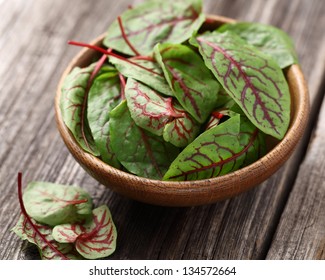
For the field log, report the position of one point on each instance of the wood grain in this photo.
(33, 56)
(301, 232)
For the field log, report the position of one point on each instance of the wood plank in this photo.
(35, 53)
(301, 232)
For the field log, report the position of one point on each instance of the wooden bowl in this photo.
(190, 193)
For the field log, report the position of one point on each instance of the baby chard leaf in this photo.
(139, 151)
(159, 115)
(71, 104)
(192, 82)
(211, 154)
(94, 239)
(54, 204)
(222, 149)
(155, 21)
(149, 109)
(253, 79)
(182, 130)
(145, 71)
(266, 38)
(41, 236)
(104, 95)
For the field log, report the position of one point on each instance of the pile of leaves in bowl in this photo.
(167, 101)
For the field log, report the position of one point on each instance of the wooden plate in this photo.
(190, 193)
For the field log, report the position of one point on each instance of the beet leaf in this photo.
(222, 149)
(192, 82)
(54, 204)
(149, 73)
(104, 95)
(41, 236)
(149, 109)
(94, 239)
(140, 152)
(72, 104)
(253, 79)
(160, 115)
(182, 130)
(266, 38)
(209, 155)
(155, 21)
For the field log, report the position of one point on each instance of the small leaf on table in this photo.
(140, 152)
(43, 239)
(94, 239)
(253, 79)
(54, 204)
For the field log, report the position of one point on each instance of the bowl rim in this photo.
(206, 190)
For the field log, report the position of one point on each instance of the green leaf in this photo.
(104, 95)
(139, 151)
(182, 130)
(223, 148)
(54, 204)
(93, 240)
(251, 78)
(149, 109)
(42, 237)
(211, 154)
(145, 71)
(192, 82)
(71, 104)
(160, 115)
(155, 21)
(266, 38)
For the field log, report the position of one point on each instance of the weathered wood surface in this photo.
(283, 218)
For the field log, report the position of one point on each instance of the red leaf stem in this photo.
(125, 37)
(110, 53)
(24, 212)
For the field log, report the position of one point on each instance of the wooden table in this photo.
(283, 218)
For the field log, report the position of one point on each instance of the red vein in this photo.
(221, 163)
(248, 83)
(125, 37)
